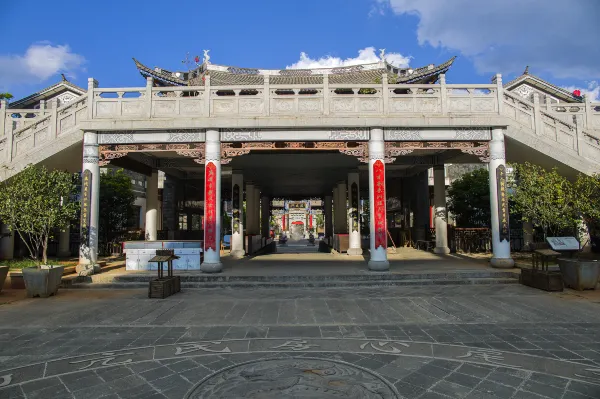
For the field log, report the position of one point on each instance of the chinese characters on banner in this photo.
(210, 205)
(86, 203)
(502, 203)
(236, 209)
(354, 205)
(379, 205)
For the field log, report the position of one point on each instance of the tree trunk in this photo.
(44, 251)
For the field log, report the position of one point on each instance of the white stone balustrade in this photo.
(575, 127)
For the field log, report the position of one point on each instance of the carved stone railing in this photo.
(41, 128)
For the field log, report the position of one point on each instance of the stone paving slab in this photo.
(413, 342)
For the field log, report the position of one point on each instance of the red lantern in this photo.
(197, 59)
(577, 93)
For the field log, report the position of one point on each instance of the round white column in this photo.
(501, 249)
(237, 225)
(354, 239)
(212, 204)
(64, 237)
(152, 206)
(440, 215)
(377, 198)
(90, 205)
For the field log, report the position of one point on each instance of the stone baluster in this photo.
(148, 95)
(377, 199)
(54, 128)
(92, 84)
(499, 93)
(207, 95)
(443, 95)
(354, 240)
(212, 204)
(589, 115)
(326, 94)
(498, 202)
(266, 96)
(537, 114)
(441, 217)
(90, 205)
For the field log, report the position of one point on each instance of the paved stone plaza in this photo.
(502, 341)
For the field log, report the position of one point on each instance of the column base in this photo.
(379, 265)
(502, 263)
(211, 267)
(441, 250)
(87, 269)
(354, 251)
(238, 254)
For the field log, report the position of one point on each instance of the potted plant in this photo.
(546, 200)
(33, 204)
(583, 270)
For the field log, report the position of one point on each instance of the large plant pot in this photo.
(43, 281)
(580, 274)
(3, 274)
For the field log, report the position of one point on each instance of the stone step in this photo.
(366, 276)
(304, 284)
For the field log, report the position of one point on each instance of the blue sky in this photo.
(41, 39)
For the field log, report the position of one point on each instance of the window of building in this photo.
(183, 222)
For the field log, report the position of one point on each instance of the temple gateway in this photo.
(251, 154)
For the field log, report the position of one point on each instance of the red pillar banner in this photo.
(379, 205)
(310, 222)
(210, 207)
(283, 221)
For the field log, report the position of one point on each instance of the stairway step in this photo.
(305, 284)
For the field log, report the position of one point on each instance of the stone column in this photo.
(341, 216)
(265, 213)
(377, 198)
(328, 216)
(498, 203)
(354, 243)
(237, 225)
(212, 204)
(152, 206)
(7, 244)
(249, 208)
(90, 204)
(440, 215)
(64, 241)
(336, 206)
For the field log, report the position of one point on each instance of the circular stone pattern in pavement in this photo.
(293, 378)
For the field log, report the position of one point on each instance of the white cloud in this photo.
(40, 62)
(558, 37)
(592, 91)
(365, 56)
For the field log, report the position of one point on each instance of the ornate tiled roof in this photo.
(221, 75)
(543, 85)
(63, 85)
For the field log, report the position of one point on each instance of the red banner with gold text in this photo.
(210, 207)
(379, 205)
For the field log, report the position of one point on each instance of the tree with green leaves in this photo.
(543, 198)
(6, 96)
(116, 203)
(587, 201)
(469, 199)
(34, 203)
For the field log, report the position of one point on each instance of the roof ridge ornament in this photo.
(526, 71)
(206, 58)
(382, 54)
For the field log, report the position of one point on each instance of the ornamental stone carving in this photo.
(402, 134)
(115, 138)
(190, 107)
(223, 106)
(182, 136)
(284, 105)
(349, 134)
(427, 104)
(289, 378)
(472, 133)
(343, 105)
(132, 108)
(165, 107)
(402, 105)
(370, 104)
(524, 91)
(240, 135)
(309, 105)
(460, 104)
(250, 105)
(483, 104)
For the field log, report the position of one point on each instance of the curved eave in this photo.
(159, 76)
(425, 73)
